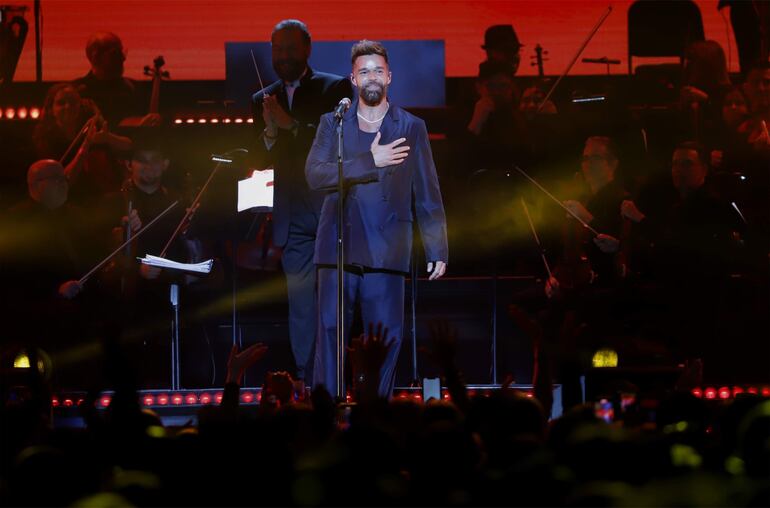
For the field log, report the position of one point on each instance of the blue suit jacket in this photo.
(318, 93)
(379, 208)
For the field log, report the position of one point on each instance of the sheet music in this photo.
(256, 191)
(203, 267)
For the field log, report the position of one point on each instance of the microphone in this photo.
(341, 108)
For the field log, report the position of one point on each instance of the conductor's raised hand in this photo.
(390, 154)
(279, 117)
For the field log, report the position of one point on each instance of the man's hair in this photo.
(293, 24)
(697, 147)
(98, 41)
(367, 47)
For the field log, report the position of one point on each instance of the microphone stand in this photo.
(340, 266)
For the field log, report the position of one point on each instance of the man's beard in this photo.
(372, 94)
(289, 70)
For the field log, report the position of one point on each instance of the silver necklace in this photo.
(374, 121)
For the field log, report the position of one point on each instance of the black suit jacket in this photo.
(318, 93)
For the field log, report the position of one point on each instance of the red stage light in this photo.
(218, 397)
(205, 398)
(724, 393)
(259, 396)
(162, 399)
(202, 120)
(239, 120)
(697, 392)
(191, 398)
(55, 401)
(446, 396)
(148, 400)
(753, 390)
(190, 120)
(177, 399)
(249, 120)
(417, 396)
(710, 393)
(34, 113)
(67, 403)
(737, 390)
(10, 113)
(226, 120)
(178, 120)
(22, 113)
(766, 391)
(105, 401)
(80, 402)
(247, 397)
(215, 120)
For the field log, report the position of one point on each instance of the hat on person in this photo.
(501, 37)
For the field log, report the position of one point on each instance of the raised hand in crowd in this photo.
(367, 356)
(239, 362)
(390, 154)
(443, 353)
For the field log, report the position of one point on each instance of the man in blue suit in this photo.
(286, 114)
(388, 167)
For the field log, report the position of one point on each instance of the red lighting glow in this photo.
(215, 120)
(737, 390)
(226, 120)
(259, 396)
(105, 401)
(190, 120)
(148, 400)
(80, 402)
(10, 113)
(239, 120)
(697, 392)
(247, 397)
(55, 401)
(67, 403)
(766, 391)
(191, 398)
(249, 120)
(202, 120)
(724, 393)
(177, 399)
(205, 398)
(178, 120)
(753, 390)
(218, 397)
(34, 113)
(162, 399)
(22, 113)
(710, 393)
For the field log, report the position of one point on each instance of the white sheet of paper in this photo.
(256, 191)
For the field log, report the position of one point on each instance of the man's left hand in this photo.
(436, 269)
(280, 117)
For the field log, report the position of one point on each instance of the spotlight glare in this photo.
(191, 399)
(22, 113)
(34, 113)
